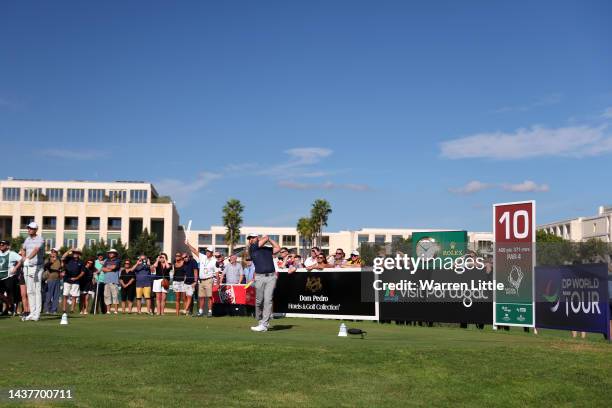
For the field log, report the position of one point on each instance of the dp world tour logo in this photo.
(551, 295)
(515, 277)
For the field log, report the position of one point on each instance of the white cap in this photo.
(355, 252)
(252, 235)
(56, 249)
(112, 250)
(33, 225)
(209, 249)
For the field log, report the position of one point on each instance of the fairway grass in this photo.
(138, 361)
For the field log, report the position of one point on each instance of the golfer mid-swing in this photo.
(265, 278)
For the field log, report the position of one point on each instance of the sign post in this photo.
(514, 261)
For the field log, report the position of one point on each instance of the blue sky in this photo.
(401, 114)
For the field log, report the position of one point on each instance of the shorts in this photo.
(146, 292)
(178, 287)
(188, 289)
(205, 288)
(21, 278)
(157, 286)
(71, 289)
(128, 293)
(85, 287)
(111, 294)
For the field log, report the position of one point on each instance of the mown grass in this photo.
(139, 361)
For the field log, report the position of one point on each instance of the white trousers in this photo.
(33, 275)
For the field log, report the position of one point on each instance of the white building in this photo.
(78, 213)
(582, 228)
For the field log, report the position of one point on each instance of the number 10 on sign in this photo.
(514, 260)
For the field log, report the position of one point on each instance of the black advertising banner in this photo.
(332, 294)
(426, 302)
(573, 297)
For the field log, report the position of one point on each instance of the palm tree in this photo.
(232, 219)
(319, 213)
(306, 230)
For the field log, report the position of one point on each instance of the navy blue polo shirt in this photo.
(73, 269)
(262, 258)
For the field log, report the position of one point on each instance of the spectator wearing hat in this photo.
(53, 269)
(265, 277)
(10, 262)
(206, 272)
(73, 272)
(33, 269)
(111, 269)
(355, 260)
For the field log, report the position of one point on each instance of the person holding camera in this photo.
(143, 283)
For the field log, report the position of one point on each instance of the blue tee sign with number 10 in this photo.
(514, 261)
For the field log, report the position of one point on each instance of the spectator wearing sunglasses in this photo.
(312, 259)
(321, 263)
(338, 259)
(355, 261)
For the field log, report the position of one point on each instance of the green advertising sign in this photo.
(439, 244)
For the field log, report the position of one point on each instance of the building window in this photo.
(220, 239)
(138, 196)
(396, 238)
(95, 195)
(361, 238)
(157, 229)
(114, 224)
(49, 244)
(289, 240)
(11, 193)
(55, 194)
(379, 239)
(204, 239)
(91, 242)
(71, 223)
(274, 237)
(117, 196)
(242, 239)
(25, 220)
(70, 242)
(325, 241)
(49, 223)
(75, 195)
(32, 194)
(92, 223)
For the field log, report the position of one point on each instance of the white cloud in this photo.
(67, 154)
(294, 185)
(537, 141)
(607, 113)
(473, 186)
(547, 100)
(308, 155)
(181, 191)
(526, 186)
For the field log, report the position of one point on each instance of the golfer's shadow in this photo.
(277, 327)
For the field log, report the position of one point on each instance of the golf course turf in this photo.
(137, 361)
